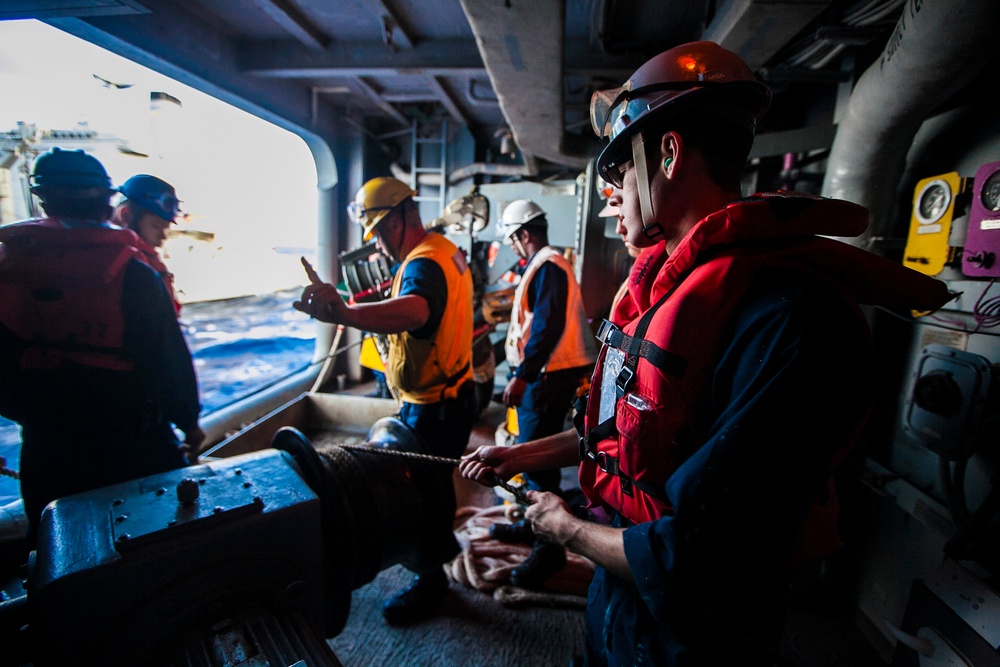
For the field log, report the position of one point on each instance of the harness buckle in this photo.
(586, 453)
(608, 464)
(626, 485)
(624, 380)
(605, 331)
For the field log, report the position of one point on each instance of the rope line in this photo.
(515, 491)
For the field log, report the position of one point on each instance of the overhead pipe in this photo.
(936, 48)
(456, 176)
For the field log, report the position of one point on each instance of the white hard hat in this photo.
(519, 213)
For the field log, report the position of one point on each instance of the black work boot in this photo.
(545, 560)
(513, 533)
(417, 601)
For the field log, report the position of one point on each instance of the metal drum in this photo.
(380, 504)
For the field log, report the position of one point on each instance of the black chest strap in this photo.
(634, 347)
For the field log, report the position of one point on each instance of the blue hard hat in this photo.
(69, 169)
(152, 194)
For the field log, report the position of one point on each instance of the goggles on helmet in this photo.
(613, 110)
(165, 205)
(358, 212)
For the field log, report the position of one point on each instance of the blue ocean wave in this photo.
(239, 346)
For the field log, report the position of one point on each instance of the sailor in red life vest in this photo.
(149, 208)
(93, 364)
(734, 375)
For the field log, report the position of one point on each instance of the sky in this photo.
(247, 181)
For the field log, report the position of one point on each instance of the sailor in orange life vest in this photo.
(149, 208)
(93, 364)
(428, 323)
(718, 410)
(550, 350)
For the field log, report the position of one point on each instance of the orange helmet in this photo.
(699, 75)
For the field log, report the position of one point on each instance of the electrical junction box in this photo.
(927, 249)
(950, 388)
(981, 258)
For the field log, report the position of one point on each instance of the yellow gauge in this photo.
(927, 248)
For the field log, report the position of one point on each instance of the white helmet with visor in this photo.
(517, 214)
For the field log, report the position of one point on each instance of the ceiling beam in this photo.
(286, 60)
(53, 9)
(395, 34)
(756, 29)
(448, 101)
(291, 18)
(376, 96)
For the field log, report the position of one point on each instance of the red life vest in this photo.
(684, 303)
(61, 292)
(149, 255)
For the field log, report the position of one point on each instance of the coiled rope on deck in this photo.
(485, 564)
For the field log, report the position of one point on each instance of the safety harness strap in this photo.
(668, 362)
(634, 347)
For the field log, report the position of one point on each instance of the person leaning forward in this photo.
(93, 364)
(719, 408)
(427, 320)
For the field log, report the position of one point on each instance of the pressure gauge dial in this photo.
(990, 195)
(933, 201)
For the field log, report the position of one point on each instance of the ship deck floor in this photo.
(472, 628)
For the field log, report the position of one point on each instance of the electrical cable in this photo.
(931, 321)
(986, 312)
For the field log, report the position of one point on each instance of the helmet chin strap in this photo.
(650, 227)
(519, 247)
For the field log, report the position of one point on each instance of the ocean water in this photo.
(239, 346)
